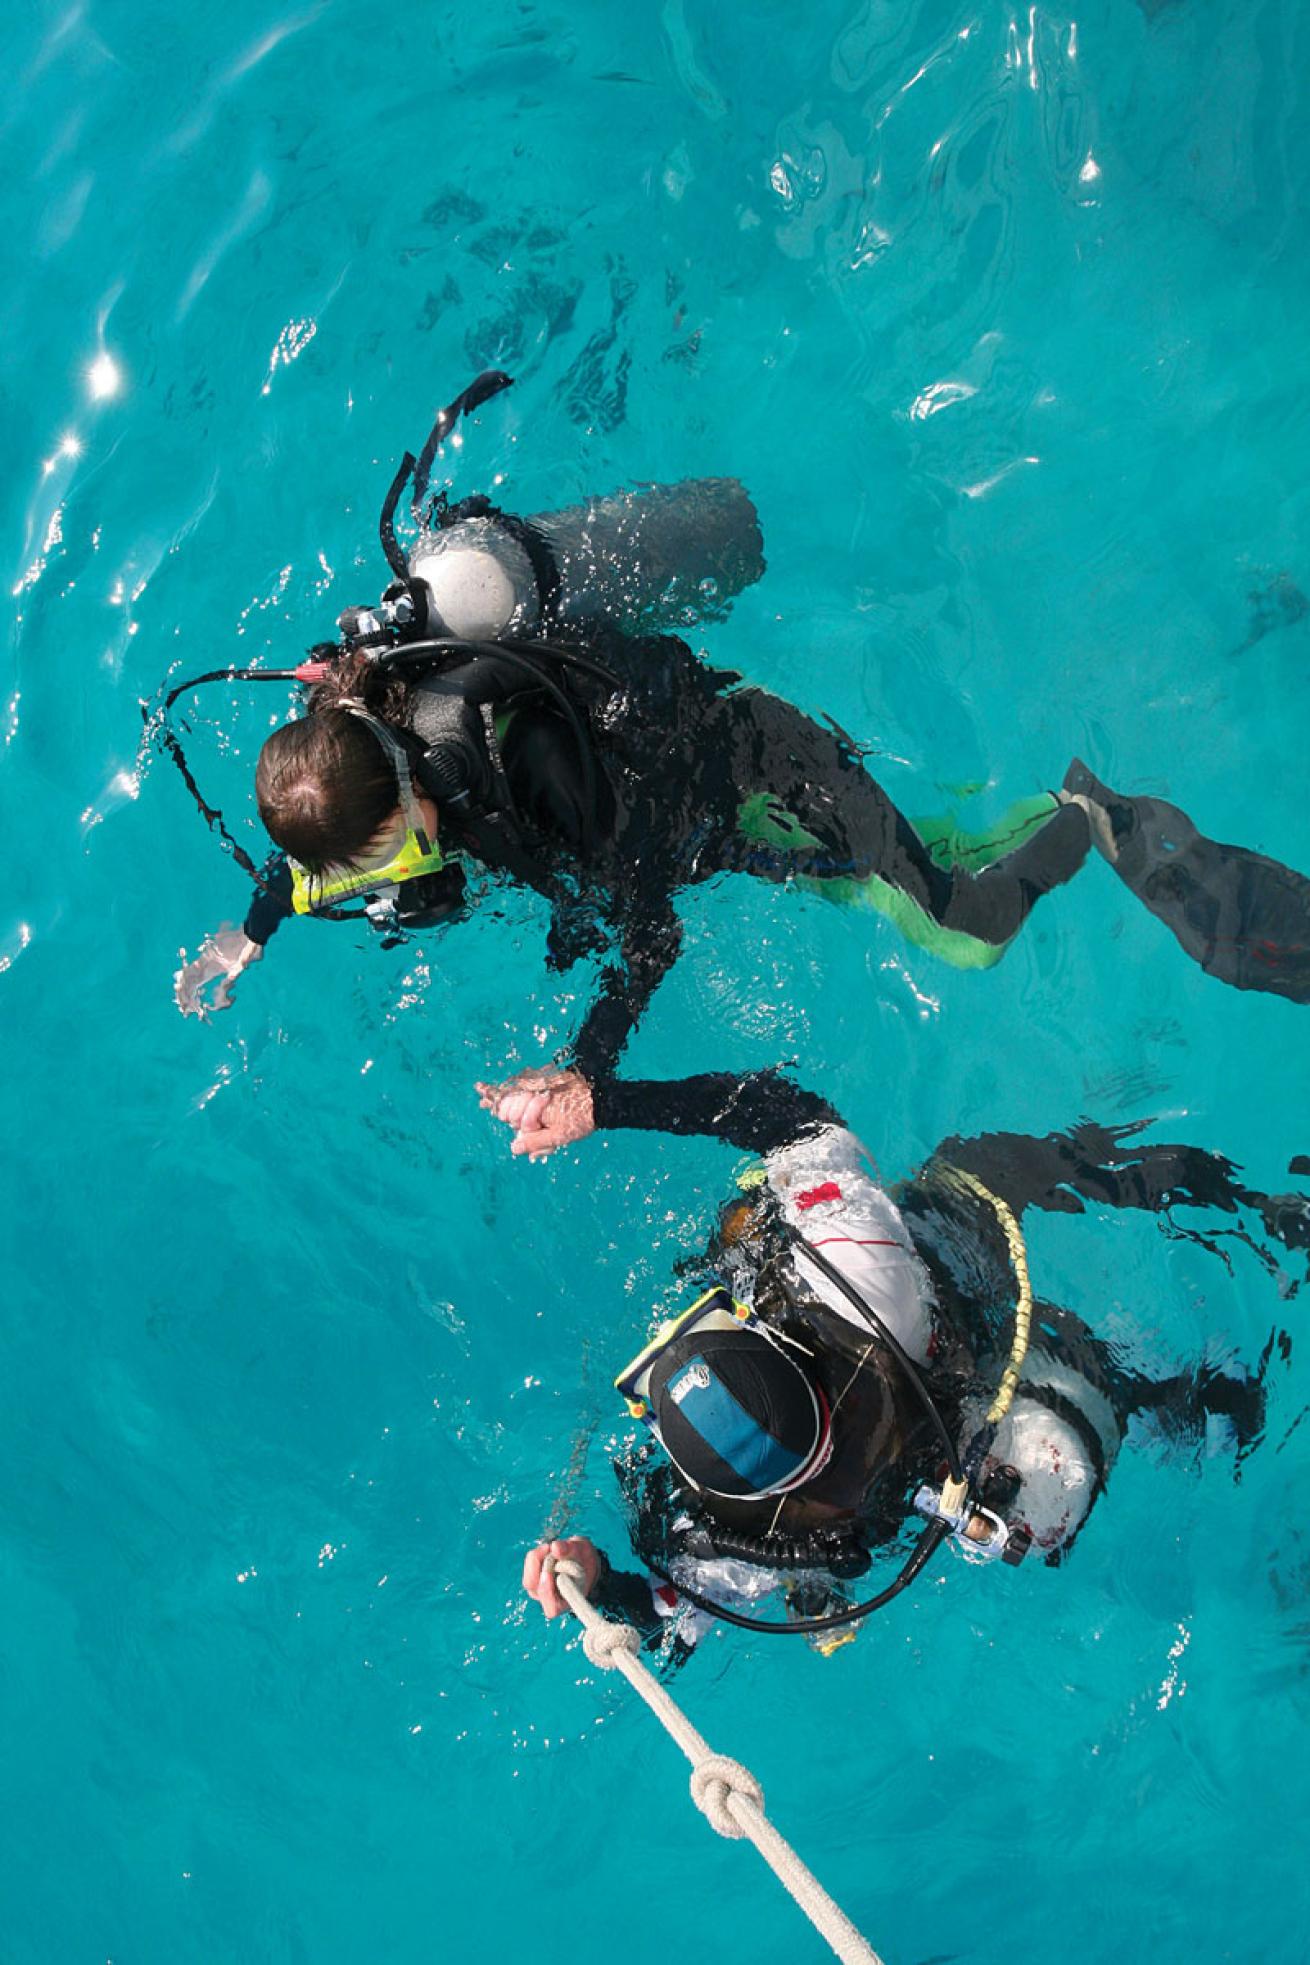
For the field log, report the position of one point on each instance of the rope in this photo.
(727, 1794)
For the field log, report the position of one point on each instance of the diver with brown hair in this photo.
(675, 762)
(504, 707)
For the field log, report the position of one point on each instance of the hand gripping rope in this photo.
(727, 1794)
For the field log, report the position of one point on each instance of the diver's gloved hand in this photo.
(222, 958)
(547, 1110)
(539, 1582)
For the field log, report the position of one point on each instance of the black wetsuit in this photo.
(677, 752)
(959, 1240)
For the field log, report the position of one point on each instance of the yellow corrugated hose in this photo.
(954, 1492)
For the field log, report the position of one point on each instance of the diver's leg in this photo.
(951, 846)
(1181, 1405)
(818, 816)
(1244, 918)
(1068, 1357)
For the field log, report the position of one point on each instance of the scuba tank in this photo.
(654, 558)
(640, 561)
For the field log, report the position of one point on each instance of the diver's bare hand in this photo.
(539, 1580)
(546, 1109)
(522, 1097)
(223, 958)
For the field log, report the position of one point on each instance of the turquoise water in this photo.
(1001, 317)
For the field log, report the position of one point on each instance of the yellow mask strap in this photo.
(417, 855)
(634, 1378)
(311, 891)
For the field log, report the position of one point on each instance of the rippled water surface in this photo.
(1002, 318)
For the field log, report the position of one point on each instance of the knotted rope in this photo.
(727, 1794)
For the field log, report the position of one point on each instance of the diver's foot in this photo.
(1110, 818)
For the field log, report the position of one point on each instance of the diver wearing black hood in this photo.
(854, 1364)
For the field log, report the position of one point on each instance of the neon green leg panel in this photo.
(759, 818)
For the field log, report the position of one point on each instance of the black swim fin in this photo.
(1244, 918)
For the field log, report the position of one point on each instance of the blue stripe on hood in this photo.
(738, 1438)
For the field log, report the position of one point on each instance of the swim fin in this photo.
(1244, 918)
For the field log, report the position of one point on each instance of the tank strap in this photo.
(545, 567)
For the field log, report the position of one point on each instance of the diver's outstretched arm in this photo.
(272, 903)
(648, 950)
(759, 1113)
(554, 1107)
(222, 959)
(1244, 918)
(1099, 1164)
(226, 954)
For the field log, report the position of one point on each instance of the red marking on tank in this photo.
(828, 1191)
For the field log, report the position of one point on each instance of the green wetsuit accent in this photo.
(759, 818)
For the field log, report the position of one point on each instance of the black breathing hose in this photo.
(924, 1549)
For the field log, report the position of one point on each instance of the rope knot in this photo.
(603, 1642)
(713, 1781)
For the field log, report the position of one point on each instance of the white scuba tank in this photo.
(827, 1193)
(1049, 1450)
(481, 584)
(649, 559)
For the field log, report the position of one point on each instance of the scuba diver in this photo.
(505, 705)
(852, 1364)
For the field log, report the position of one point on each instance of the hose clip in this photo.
(978, 1533)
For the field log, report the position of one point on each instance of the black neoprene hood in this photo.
(737, 1414)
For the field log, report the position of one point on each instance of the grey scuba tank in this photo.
(659, 557)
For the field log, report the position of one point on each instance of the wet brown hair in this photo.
(324, 785)
(325, 788)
